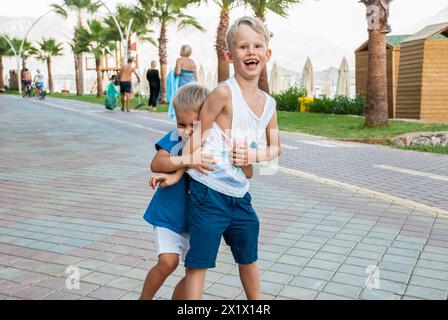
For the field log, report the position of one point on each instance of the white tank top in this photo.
(246, 128)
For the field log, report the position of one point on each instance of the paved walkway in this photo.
(73, 188)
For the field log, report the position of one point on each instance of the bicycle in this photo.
(27, 90)
(41, 93)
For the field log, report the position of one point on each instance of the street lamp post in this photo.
(124, 40)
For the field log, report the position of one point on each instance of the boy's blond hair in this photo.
(252, 22)
(190, 98)
(185, 50)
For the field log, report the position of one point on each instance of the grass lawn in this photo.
(343, 126)
(432, 149)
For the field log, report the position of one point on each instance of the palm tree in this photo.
(5, 51)
(28, 50)
(81, 8)
(260, 8)
(376, 101)
(221, 47)
(164, 12)
(94, 39)
(49, 48)
(139, 26)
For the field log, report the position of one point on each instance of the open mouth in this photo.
(251, 63)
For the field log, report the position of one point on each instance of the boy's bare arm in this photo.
(163, 162)
(248, 171)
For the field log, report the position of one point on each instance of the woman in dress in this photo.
(152, 75)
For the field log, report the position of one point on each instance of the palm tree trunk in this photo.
(80, 59)
(163, 56)
(376, 105)
(263, 83)
(50, 75)
(99, 82)
(78, 89)
(2, 83)
(223, 66)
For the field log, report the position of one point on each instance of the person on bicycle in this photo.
(39, 81)
(26, 80)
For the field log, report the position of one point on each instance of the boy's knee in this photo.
(168, 263)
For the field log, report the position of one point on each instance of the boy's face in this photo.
(185, 122)
(249, 52)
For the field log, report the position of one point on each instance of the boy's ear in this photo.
(228, 57)
(268, 54)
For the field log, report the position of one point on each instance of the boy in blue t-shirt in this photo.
(167, 209)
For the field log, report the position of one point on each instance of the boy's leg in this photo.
(128, 101)
(166, 265)
(179, 290)
(122, 101)
(250, 278)
(194, 283)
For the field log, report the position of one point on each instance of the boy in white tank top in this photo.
(234, 119)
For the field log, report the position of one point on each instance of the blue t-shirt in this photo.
(167, 208)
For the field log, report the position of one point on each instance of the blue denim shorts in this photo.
(212, 215)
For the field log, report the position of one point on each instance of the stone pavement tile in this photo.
(31, 278)
(348, 237)
(432, 264)
(62, 296)
(229, 280)
(124, 283)
(366, 254)
(434, 256)
(34, 293)
(9, 273)
(429, 282)
(53, 283)
(399, 259)
(330, 256)
(128, 261)
(130, 296)
(431, 273)
(323, 264)
(84, 288)
(277, 277)
(223, 291)
(376, 241)
(391, 286)
(137, 273)
(107, 293)
(99, 278)
(226, 267)
(362, 262)
(395, 276)
(85, 253)
(436, 249)
(274, 248)
(91, 264)
(316, 273)
(412, 253)
(426, 293)
(266, 255)
(68, 260)
(342, 243)
(270, 288)
(211, 275)
(353, 269)
(11, 287)
(52, 269)
(392, 266)
(8, 260)
(350, 279)
(373, 294)
(308, 283)
(293, 260)
(335, 249)
(307, 245)
(297, 293)
(114, 269)
(301, 252)
(285, 268)
(329, 296)
(342, 289)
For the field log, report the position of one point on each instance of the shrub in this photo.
(338, 105)
(287, 100)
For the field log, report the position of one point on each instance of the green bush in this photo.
(338, 105)
(287, 100)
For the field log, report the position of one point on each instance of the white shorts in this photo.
(168, 241)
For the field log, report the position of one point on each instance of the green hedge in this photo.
(338, 105)
(287, 100)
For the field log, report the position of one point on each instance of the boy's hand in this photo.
(200, 161)
(163, 180)
(242, 156)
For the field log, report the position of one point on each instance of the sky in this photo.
(341, 21)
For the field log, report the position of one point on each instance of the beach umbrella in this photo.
(327, 85)
(201, 76)
(274, 80)
(343, 87)
(307, 78)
